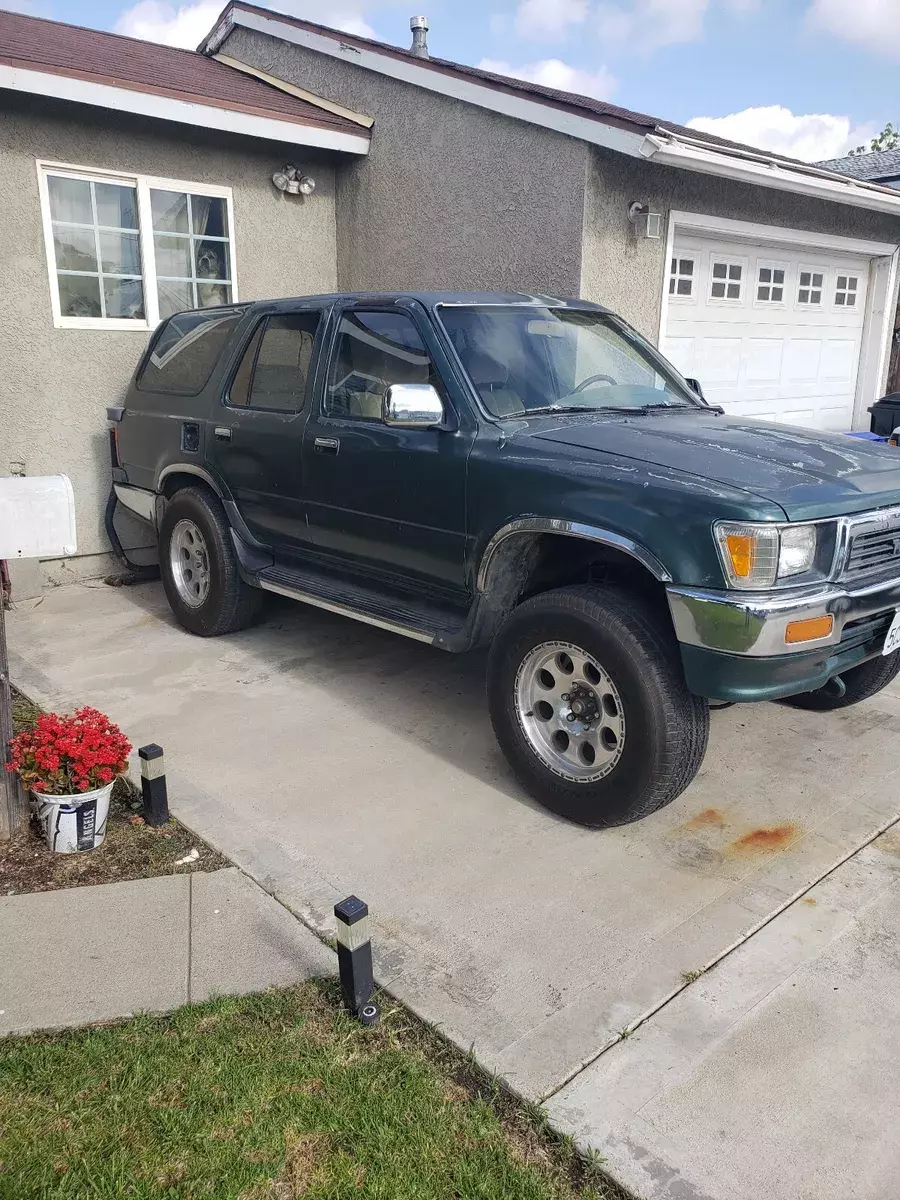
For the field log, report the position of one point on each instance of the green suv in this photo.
(527, 473)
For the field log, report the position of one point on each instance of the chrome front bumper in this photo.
(754, 623)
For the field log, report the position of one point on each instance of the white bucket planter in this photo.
(72, 823)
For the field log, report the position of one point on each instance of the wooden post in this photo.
(13, 808)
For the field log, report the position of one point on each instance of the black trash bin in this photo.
(885, 414)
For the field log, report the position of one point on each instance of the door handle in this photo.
(327, 445)
(222, 433)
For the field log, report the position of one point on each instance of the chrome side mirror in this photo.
(413, 406)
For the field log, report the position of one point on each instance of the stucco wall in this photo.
(55, 384)
(451, 195)
(628, 272)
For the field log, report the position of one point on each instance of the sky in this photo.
(807, 78)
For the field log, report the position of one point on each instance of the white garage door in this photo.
(770, 333)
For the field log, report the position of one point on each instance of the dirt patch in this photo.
(131, 849)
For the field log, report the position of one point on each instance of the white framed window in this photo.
(810, 284)
(126, 251)
(845, 291)
(770, 283)
(681, 276)
(726, 279)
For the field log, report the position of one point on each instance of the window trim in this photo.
(674, 276)
(811, 270)
(143, 185)
(772, 264)
(854, 292)
(716, 258)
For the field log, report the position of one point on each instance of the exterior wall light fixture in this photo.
(289, 179)
(646, 223)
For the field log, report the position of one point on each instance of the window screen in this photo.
(185, 351)
(375, 350)
(274, 370)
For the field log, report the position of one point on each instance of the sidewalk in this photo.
(87, 954)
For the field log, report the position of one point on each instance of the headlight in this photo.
(756, 556)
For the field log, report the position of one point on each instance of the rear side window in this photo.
(274, 370)
(185, 351)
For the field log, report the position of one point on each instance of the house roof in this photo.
(879, 164)
(32, 47)
(588, 105)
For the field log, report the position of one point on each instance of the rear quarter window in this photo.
(185, 350)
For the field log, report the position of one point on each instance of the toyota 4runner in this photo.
(525, 472)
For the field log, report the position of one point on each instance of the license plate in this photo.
(892, 640)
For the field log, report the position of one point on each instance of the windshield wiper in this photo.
(649, 408)
(575, 408)
(640, 409)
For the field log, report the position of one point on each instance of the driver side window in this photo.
(374, 350)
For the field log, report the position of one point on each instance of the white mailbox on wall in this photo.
(37, 517)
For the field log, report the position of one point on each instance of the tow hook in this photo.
(835, 687)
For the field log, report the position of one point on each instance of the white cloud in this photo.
(810, 137)
(553, 73)
(874, 24)
(549, 18)
(648, 24)
(186, 25)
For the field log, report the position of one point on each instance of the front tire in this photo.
(199, 568)
(589, 704)
(859, 682)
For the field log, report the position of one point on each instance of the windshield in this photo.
(525, 359)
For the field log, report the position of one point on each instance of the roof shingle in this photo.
(37, 44)
(879, 164)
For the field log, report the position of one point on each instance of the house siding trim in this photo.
(166, 108)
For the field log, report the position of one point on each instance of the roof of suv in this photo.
(430, 299)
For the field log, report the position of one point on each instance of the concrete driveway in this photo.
(326, 757)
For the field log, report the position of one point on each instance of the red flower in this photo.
(72, 753)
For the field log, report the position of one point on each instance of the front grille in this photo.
(873, 550)
(866, 629)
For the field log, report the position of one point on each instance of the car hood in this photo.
(809, 474)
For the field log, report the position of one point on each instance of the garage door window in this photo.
(809, 289)
(845, 291)
(681, 279)
(726, 279)
(770, 285)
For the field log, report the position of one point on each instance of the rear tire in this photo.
(199, 568)
(861, 682)
(647, 732)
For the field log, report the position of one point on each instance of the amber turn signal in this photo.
(810, 629)
(740, 551)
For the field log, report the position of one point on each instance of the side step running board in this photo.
(407, 616)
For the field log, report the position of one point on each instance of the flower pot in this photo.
(72, 823)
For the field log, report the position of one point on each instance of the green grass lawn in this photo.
(270, 1097)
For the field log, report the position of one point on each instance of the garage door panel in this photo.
(769, 332)
(719, 359)
(839, 361)
(763, 360)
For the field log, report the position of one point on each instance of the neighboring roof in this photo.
(594, 121)
(879, 164)
(33, 47)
